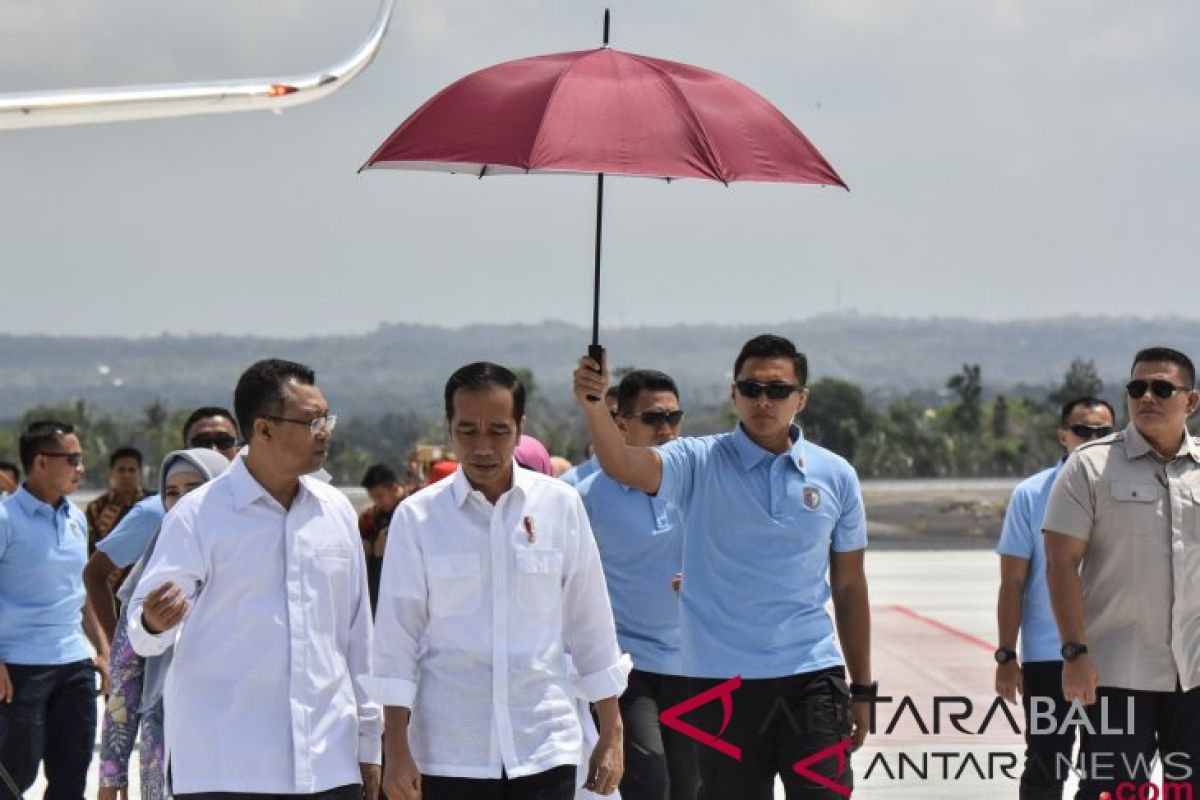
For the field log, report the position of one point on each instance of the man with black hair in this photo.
(47, 672)
(491, 577)
(10, 478)
(124, 490)
(258, 582)
(384, 488)
(1122, 543)
(641, 549)
(1023, 605)
(208, 427)
(766, 515)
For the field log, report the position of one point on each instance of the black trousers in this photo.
(351, 791)
(1047, 755)
(553, 784)
(776, 722)
(52, 719)
(1166, 724)
(660, 763)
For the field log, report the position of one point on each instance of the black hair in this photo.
(39, 435)
(125, 452)
(259, 391)
(612, 393)
(204, 412)
(642, 380)
(770, 346)
(8, 466)
(1087, 401)
(481, 375)
(379, 475)
(1152, 354)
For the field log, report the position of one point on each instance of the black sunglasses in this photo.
(657, 418)
(212, 441)
(1090, 432)
(774, 391)
(1163, 390)
(74, 459)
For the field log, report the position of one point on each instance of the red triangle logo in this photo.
(671, 717)
(839, 751)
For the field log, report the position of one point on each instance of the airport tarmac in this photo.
(933, 633)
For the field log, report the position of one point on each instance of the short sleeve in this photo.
(679, 461)
(850, 531)
(128, 541)
(1072, 506)
(1017, 534)
(4, 531)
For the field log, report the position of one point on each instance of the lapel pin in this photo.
(530, 533)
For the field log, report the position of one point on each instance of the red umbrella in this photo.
(603, 112)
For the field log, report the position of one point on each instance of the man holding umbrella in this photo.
(768, 514)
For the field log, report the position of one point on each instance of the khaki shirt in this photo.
(1140, 515)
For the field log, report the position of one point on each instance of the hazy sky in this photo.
(1006, 158)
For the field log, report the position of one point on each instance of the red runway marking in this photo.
(945, 628)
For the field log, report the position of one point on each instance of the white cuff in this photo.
(145, 643)
(608, 682)
(391, 691)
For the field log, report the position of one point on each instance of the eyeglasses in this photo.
(316, 425)
(212, 441)
(1161, 389)
(775, 391)
(74, 459)
(656, 418)
(1090, 432)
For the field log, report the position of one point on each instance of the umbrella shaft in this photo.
(599, 233)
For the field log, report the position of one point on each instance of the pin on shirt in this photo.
(530, 533)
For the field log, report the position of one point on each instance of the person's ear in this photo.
(521, 426)
(1193, 401)
(803, 397)
(1062, 437)
(262, 428)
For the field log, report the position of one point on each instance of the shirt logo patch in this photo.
(75, 529)
(812, 497)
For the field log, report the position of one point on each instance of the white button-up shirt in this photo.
(266, 692)
(476, 605)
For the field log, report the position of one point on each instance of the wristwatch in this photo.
(1073, 650)
(1003, 655)
(868, 690)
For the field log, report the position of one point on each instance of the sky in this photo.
(1006, 158)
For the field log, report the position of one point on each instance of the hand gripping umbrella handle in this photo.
(596, 353)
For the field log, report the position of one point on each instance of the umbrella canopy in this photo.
(604, 111)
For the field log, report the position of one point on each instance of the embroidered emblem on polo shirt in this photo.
(75, 529)
(812, 497)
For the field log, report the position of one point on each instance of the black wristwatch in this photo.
(1003, 655)
(865, 690)
(1073, 650)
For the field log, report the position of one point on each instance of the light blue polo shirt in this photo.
(42, 553)
(641, 550)
(576, 475)
(127, 542)
(758, 529)
(1021, 536)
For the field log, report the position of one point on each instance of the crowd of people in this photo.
(499, 624)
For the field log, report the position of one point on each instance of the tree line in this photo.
(960, 430)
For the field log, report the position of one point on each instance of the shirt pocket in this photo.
(1135, 506)
(454, 585)
(539, 580)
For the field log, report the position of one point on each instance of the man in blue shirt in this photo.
(47, 672)
(577, 474)
(1023, 605)
(766, 516)
(641, 551)
(208, 427)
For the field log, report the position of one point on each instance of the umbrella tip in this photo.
(607, 16)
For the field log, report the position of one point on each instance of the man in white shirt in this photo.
(259, 581)
(489, 580)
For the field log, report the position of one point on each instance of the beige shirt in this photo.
(1140, 515)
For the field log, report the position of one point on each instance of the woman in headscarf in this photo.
(137, 683)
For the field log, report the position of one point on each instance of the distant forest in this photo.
(899, 398)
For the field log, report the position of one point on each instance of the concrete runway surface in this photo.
(933, 634)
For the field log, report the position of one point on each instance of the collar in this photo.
(1136, 445)
(751, 454)
(461, 488)
(31, 505)
(246, 490)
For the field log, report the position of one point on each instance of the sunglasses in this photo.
(1163, 390)
(774, 391)
(212, 441)
(1089, 432)
(74, 459)
(316, 426)
(656, 418)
